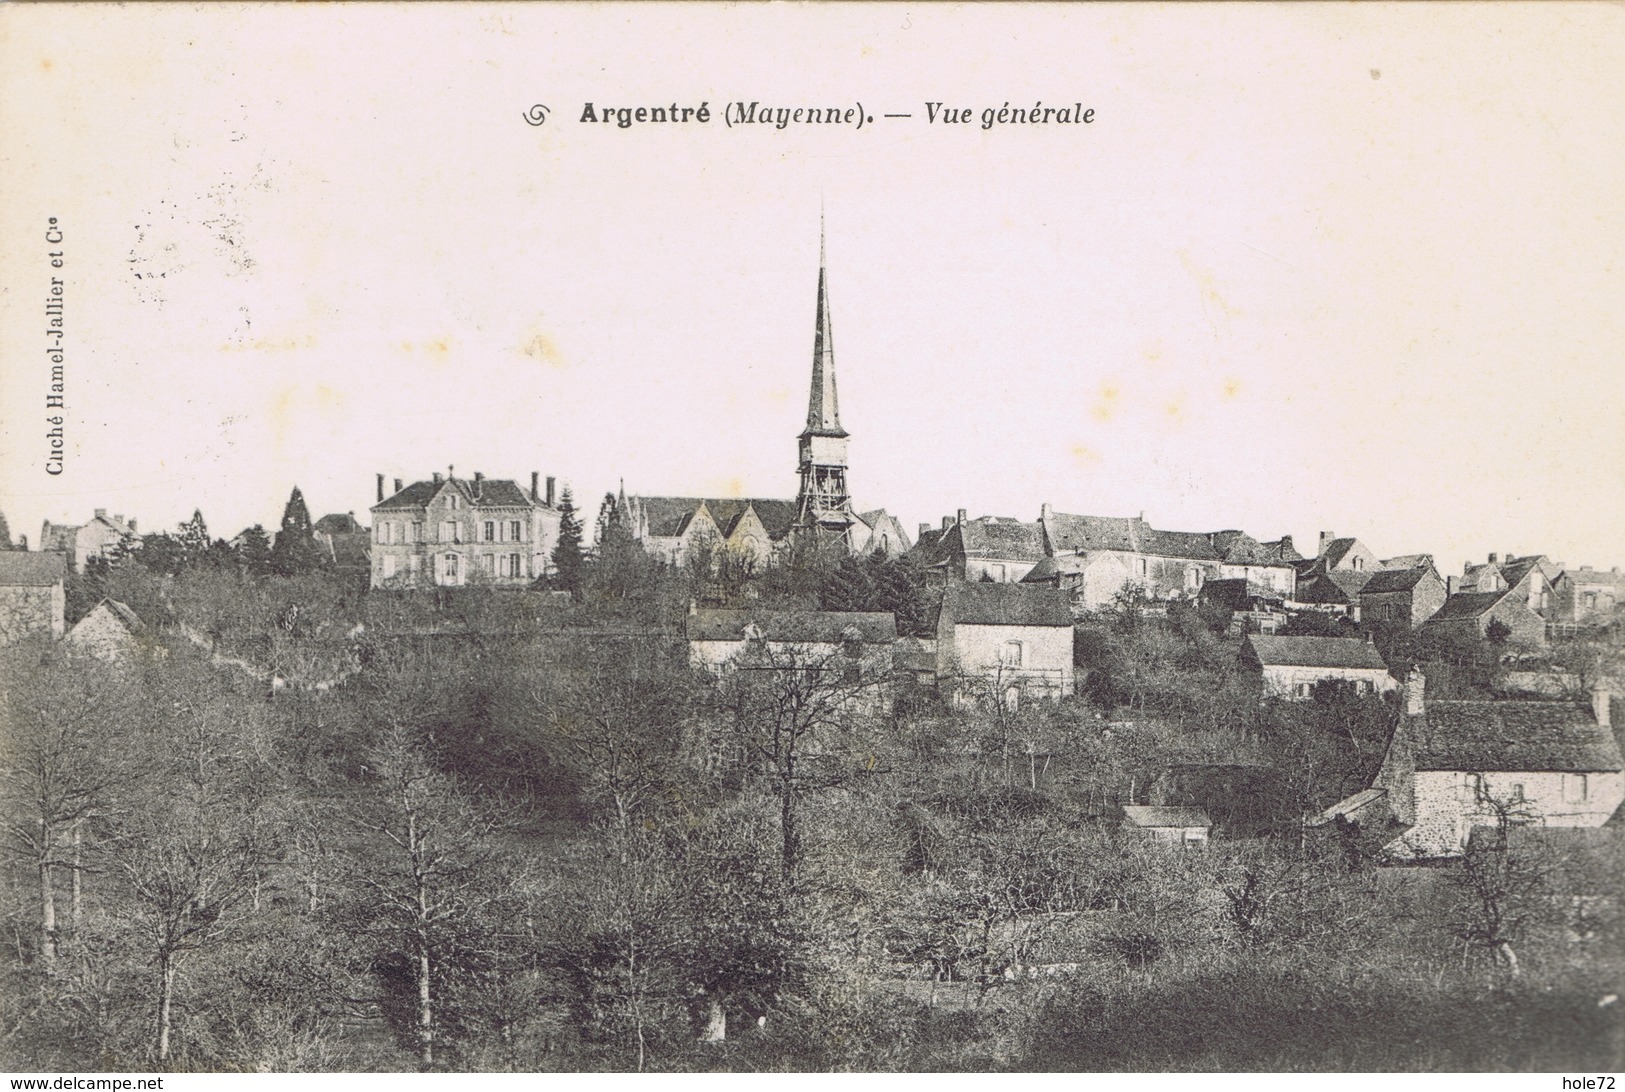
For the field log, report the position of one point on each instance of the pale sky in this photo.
(1355, 268)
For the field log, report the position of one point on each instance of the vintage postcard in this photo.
(677, 537)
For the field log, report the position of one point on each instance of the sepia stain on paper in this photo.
(541, 348)
(1232, 388)
(1106, 407)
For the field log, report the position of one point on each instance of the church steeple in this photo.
(823, 503)
(823, 408)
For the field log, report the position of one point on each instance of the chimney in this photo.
(535, 485)
(118, 517)
(437, 477)
(1286, 543)
(550, 491)
(925, 529)
(1325, 540)
(1415, 691)
(397, 485)
(101, 513)
(132, 527)
(961, 516)
(1044, 511)
(1494, 558)
(380, 489)
(947, 523)
(479, 475)
(1601, 699)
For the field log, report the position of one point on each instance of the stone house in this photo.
(1402, 595)
(1455, 765)
(111, 631)
(999, 549)
(449, 531)
(97, 538)
(1473, 613)
(1005, 641)
(32, 594)
(1290, 667)
(1172, 826)
(1581, 596)
(1528, 579)
(1094, 558)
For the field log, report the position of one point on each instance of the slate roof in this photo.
(1002, 537)
(987, 604)
(24, 569)
(1392, 580)
(669, 517)
(1140, 815)
(1485, 736)
(1408, 561)
(338, 523)
(1067, 533)
(797, 626)
(1468, 605)
(1341, 586)
(1345, 652)
(493, 493)
(1336, 550)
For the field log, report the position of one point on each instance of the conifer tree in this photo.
(194, 537)
(567, 552)
(5, 533)
(296, 550)
(255, 551)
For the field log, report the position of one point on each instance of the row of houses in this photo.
(1097, 559)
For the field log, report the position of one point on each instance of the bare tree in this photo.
(794, 707)
(425, 876)
(61, 764)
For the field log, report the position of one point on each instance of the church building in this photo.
(761, 531)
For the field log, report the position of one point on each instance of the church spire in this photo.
(823, 409)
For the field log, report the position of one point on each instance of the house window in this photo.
(415, 533)
(453, 502)
(1011, 654)
(489, 564)
(1193, 578)
(1304, 690)
(1142, 566)
(389, 566)
(490, 530)
(1472, 788)
(516, 565)
(1590, 599)
(451, 531)
(1517, 792)
(997, 572)
(1574, 788)
(1357, 563)
(513, 530)
(414, 564)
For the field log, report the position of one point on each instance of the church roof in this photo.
(669, 517)
(823, 408)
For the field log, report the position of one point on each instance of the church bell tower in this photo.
(823, 503)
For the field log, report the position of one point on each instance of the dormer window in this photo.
(1357, 564)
